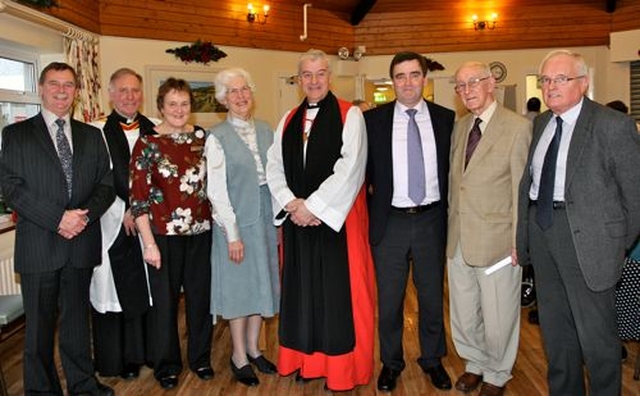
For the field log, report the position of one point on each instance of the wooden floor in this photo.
(528, 374)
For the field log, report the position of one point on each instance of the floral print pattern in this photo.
(168, 175)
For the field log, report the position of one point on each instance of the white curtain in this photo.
(82, 53)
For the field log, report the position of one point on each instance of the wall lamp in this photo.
(485, 24)
(253, 16)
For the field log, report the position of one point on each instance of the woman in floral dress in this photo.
(173, 216)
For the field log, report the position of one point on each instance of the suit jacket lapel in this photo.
(578, 140)
(387, 138)
(77, 137)
(437, 123)
(42, 134)
(489, 136)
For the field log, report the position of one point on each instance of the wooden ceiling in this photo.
(388, 26)
(353, 7)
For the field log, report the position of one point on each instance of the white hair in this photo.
(226, 75)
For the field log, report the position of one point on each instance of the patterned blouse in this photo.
(168, 175)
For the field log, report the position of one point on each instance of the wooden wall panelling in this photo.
(517, 27)
(627, 16)
(81, 13)
(224, 23)
(424, 27)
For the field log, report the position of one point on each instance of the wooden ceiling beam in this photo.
(361, 11)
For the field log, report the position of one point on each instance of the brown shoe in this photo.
(468, 382)
(491, 390)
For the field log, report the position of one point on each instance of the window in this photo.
(18, 91)
(18, 86)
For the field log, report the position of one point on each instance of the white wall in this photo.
(611, 80)
(624, 46)
(265, 66)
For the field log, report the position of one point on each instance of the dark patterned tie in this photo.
(65, 154)
(415, 160)
(544, 212)
(474, 139)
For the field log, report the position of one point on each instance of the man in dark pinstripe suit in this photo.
(54, 172)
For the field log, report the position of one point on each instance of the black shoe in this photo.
(439, 377)
(130, 371)
(625, 354)
(204, 373)
(168, 382)
(104, 390)
(263, 364)
(245, 374)
(387, 379)
(533, 317)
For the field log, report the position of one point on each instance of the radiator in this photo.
(9, 283)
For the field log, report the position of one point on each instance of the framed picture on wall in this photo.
(205, 111)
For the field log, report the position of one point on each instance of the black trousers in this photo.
(417, 239)
(186, 263)
(47, 296)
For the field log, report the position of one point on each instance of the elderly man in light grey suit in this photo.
(488, 154)
(579, 210)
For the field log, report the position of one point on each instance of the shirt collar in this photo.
(421, 107)
(486, 115)
(570, 116)
(238, 122)
(50, 118)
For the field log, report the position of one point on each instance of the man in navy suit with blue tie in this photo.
(407, 176)
(54, 172)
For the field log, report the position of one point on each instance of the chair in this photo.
(11, 310)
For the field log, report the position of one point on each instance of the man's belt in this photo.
(416, 209)
(556, 204)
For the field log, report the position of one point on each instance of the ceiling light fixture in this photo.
(489, 23)
(253, 16)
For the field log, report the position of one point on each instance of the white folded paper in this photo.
(502, 263)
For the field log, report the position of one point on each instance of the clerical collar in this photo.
(126, 120)
(313, 105)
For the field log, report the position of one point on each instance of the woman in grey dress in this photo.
(245, 279)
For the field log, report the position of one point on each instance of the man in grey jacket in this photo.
(579, 209)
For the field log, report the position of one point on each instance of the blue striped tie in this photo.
(415, 160)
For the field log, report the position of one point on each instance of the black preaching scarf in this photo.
(323, 147)
(315, 308)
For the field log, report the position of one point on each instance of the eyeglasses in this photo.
(320, 75)
(557, 80)
(237, 91)
(471, 84)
